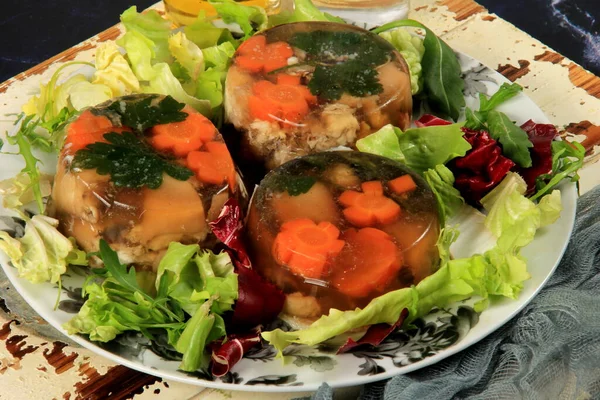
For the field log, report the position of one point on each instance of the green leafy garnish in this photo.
(184, 307)
(146, 113)
(249, 18)
(294, 185)
(567, 159)
(128, 161)
(477, 119)
(442, 80)
(449, 200)
(344, 62)
(514, 140)
(304, 10)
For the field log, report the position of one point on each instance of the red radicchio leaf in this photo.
(430, 120)
(259, 301)
(482, 168)
(226, 354)
(374, 335)
(541, 135)
(228, 229)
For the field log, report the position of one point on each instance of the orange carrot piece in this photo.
(369, 262)
(80, 140)
(277, 55)
(213, 166)
(184, 136)
(305, 247)
(253, 45)
(88, 122)
(402, 184)
(370, 207)
(277, 102)
(255, 55)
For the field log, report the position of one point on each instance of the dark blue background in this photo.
(34, 30)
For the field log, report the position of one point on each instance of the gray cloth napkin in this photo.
(551, 350)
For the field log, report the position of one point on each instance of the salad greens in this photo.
(205, 281)
(42, 254)
(499, 271)
(449, 200)
(442, 82)
(567, 159)
(249, 18)
(418, 148)
(412, 49)
(304, 10)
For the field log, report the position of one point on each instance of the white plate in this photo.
(441, 334)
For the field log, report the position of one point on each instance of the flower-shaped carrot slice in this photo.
(279, 102)
(183, 137)
(402, 184)
(370, 207)
(370, 261)
(87, 129)
(305, 247)
(213, 166)
(255, 55)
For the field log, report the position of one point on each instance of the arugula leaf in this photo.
(128, 161)
(476, 120)
(515, 142)
(355, 75)
(567, 159)
(505, 92)
(442, 80)
(146, 113)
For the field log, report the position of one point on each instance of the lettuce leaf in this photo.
(140, 52)
(187, 54)
(449, 200)
(164, 82)
(113, 70)
(304, 10)
(204, 34)
(250, 18)
(151, 26)
(412, 49)
(18, 191)
(418, 148)
(41, 254)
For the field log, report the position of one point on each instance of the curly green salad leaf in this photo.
(191, 289)
(42, 254)
(500, 271)
(19, 190)
(412, 49)
(418, 148)
(567, 159)
(441, 182)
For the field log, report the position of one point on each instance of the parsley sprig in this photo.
(344, 62)
(129, 162)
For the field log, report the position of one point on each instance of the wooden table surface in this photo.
(38, 362)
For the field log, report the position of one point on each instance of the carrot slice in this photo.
(277, 55)
(80, 140)
(184, 136)
(402, 184)
(88, 122)
(213, 166)
(305, 247)
(370, 207)
(277, 102)
(255, 55)
(369, 262)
